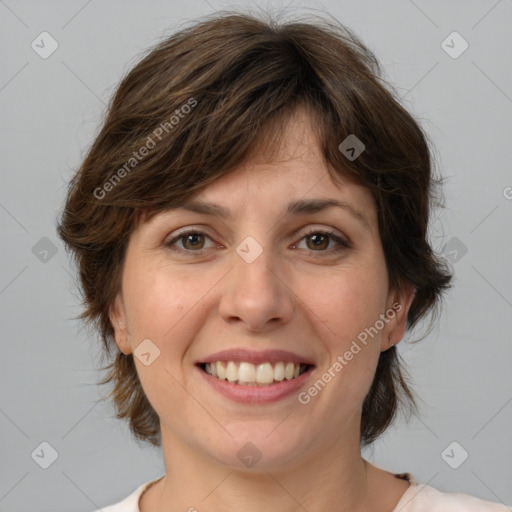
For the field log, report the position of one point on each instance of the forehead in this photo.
(292, 179)
(289, 155)
(287, 176)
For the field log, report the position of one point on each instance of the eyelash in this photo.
(343, 244)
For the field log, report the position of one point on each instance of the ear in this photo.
(399, 303)
(117, 315)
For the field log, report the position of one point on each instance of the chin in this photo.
(261, 446)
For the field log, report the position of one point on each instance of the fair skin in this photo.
(294, 296)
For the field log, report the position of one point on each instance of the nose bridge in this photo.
(255, 293)
(255, 265)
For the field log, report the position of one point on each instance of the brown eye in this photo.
(318, 241)
(193, 241)
(189, 241)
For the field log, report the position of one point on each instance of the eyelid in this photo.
(332, 232)
(342, 240)
(175, 237)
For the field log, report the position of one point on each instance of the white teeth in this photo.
(232, 371)
(264, 373)
(288, 373)
(245, 373)
(279, 372)
(221, 370)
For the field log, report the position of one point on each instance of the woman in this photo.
(251, 231)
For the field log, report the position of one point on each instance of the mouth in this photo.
(264, 374)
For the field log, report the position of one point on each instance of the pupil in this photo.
(192, 237)
(317, 240)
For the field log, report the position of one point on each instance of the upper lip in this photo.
(256, 357)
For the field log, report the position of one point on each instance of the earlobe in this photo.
(117, 317)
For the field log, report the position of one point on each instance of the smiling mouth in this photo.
(247, 374)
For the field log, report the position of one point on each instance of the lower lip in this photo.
(257, 394)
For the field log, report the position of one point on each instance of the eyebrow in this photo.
(299, 207)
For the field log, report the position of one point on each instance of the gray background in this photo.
(50, 110)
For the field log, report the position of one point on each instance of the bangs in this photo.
(242, 102)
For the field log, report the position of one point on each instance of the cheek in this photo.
(346, 303)
(346, 316)
(164, 307)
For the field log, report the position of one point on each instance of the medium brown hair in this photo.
(243, 77)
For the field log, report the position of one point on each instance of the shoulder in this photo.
(424, 498)
(131, 502)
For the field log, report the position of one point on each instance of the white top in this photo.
(417, 498)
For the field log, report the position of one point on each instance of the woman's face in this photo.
(265, 282)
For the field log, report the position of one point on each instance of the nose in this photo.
(257, 295)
